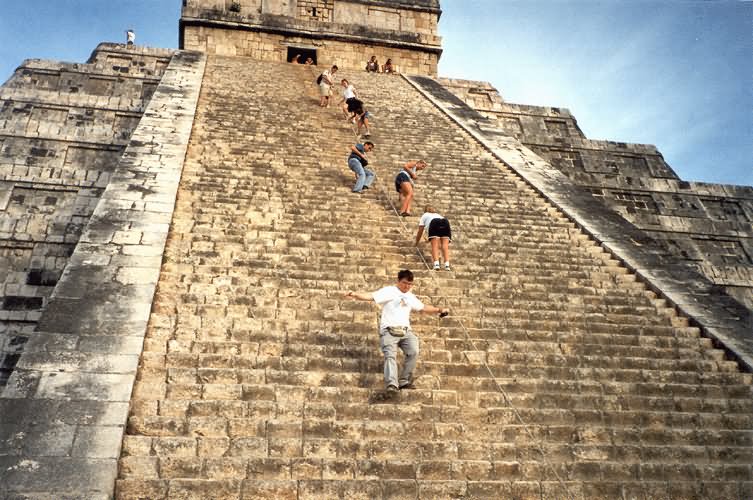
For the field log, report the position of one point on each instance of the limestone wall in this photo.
(708, 225)
(63, 127)
(345, 32)
(274, 47)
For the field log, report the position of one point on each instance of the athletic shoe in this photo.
(436, 266)
(446, 266)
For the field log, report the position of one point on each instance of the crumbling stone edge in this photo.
(63, 412)
(720, 317)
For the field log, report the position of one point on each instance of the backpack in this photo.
(319, 79)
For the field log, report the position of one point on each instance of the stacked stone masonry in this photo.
(63, 410)
(708, 225)
(337, 32)
(63, 127)
(559, 374)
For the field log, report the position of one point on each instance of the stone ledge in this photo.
(72, 385)
(719, 316)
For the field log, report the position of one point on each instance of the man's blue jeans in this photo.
(365, 176)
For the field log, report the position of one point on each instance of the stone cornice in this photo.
(374, 37)
(416, 5)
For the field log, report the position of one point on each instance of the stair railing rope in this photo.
(469, 340)
(538, 442)
(526, 427)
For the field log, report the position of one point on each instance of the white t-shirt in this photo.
(396, 306)
(349, 92)
(326, 76)
(130, 36)
(427, 218)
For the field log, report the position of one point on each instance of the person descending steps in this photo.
(357, 162)
(397, 302)
(439, 233)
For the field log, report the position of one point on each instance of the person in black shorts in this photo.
(439, 234)
(404, 182)
(350, 103)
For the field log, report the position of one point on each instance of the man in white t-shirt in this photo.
(397, 302)
(130, 37)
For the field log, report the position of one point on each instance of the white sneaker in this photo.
(446, 266)
(436, 266)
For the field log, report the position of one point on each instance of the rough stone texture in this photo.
(341, 32)
(706, 225)
(63, 128)
(559, 374)
(63, 411)
(723, 318)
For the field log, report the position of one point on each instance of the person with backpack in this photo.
(325, 85)
(357, 162)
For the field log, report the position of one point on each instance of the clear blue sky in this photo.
(674, 73)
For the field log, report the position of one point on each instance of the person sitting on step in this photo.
(404, 184)
(388, 67)
(439, 234)
(397, 303)
(357, 162)
(372, 66)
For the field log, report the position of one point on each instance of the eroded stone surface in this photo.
(258, 380)
(68, 396)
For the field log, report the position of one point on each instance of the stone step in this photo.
(339, 410)
(510, 340)
(605, 390)
(439, 351)
(258, 374)
(329, 438)
(366, 488)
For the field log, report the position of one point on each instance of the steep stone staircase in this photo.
(558, 375)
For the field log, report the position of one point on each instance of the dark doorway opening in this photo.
(304, 53)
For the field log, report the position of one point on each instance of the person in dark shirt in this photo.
(357, 162)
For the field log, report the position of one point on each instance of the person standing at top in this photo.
(130, 37)
(404, 184)
(372, 66)
(325, 85)
(357, 162)
(439, 233)
(397, 303)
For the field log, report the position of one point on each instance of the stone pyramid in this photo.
(178, 246)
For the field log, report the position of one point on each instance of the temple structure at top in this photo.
(342, 32)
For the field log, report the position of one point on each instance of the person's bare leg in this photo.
(409, 199)
(446, 250)
(434, 249)
(406, 191)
